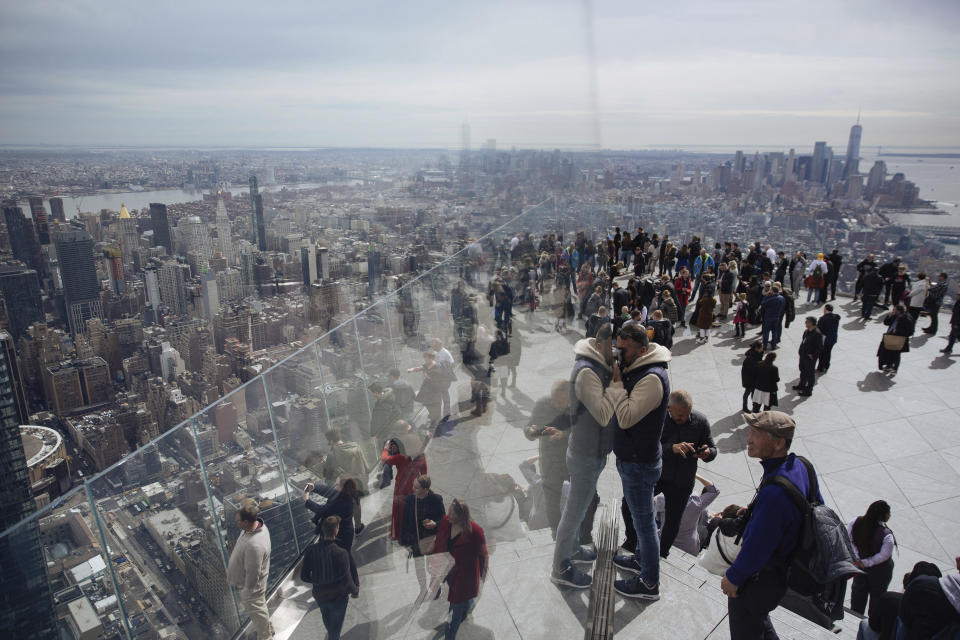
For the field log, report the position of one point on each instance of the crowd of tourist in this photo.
(630, 292)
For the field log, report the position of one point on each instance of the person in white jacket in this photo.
(249, 567)
(918, 295)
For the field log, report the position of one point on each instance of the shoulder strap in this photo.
(717, 535)
(814, 486)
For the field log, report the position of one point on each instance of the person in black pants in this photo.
(865, 265)
(829, 325)
(810, 346)
(685, 440)
(835, 260)
(874, 543)
(934, 301)
(888, 272)
(748, 371)
(333, 574)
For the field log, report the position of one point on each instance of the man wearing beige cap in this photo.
(756, 581)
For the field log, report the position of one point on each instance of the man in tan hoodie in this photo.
(249, 566)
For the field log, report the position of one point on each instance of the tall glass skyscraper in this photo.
(26, 606)
(852, 163)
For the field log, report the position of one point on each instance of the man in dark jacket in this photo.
(934, 301)
(833, 274)
(954, 326)
(756, 581)
(829, 325)
(772, 310)
(888, 272)
(333, 574)
(871, 288)
(863, 267)
(639, 397)
(782, 264)
(724, 289)
(686, 440)
(810, 346)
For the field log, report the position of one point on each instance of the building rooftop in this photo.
(39, 443)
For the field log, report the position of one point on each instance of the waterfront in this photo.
(112, 200)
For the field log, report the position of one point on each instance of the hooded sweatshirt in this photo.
(250, 560)
(591, 433)
(645, 402)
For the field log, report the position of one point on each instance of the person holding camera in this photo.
(686, 440)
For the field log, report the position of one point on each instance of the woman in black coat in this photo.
(768, 378)
(899, 323)
(754, 298)
(422, 510)
(748, 370)
(340, 499)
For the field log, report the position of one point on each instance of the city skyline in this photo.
(700, 74)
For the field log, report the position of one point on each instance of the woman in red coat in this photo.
(407, 470)
(463, 539)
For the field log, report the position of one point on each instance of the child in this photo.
(740, 317)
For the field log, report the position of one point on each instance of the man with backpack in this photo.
(757, 580)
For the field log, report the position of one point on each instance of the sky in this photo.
(619, 74)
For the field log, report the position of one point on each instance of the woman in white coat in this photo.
(917, 295)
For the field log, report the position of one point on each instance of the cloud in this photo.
(407, 74)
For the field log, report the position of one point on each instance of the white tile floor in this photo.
(869, 435)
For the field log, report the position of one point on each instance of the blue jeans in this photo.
(334, 612)
(639, 480)
(625, 258)
(458, 613)
(584, 472)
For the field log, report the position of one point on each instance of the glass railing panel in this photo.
(299, 413)
(54, 569)
(156, 507)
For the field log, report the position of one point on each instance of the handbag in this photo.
(893, 342)
(720, 554)
(424, 544)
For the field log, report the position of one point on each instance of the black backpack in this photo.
(824, 552)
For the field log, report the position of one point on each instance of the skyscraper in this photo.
(224, 235)
(851, 166)
(172, 287)
(818, 165)
(20, 288)
(39, 214)
(56, 209)
(195, 240)
(253, 209)
(127, 234)
(23, 237)
(80, 285)
(161, 228)
(261, 229)
(26, 606)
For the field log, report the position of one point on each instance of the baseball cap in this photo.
(776, 422)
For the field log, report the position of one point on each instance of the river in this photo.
(141, 199)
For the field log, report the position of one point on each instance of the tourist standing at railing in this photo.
(340, 499)
(934, 301)
(591, 440)
(818, 275)
(431, 389)
(797, 269)
(835, 261)
(464, 540)
(863, 267)
(332, 572)
(895, 340)
(347, 458)
(888, 272)
(917, 295)
(405, 453)
(249, 567)
(872, 287)
(954, 326)
(447, 366)
(900, 285)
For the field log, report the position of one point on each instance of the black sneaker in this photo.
(570, 576)
(360, 527)
(637, 588)
(584, 554)
(627, 562)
